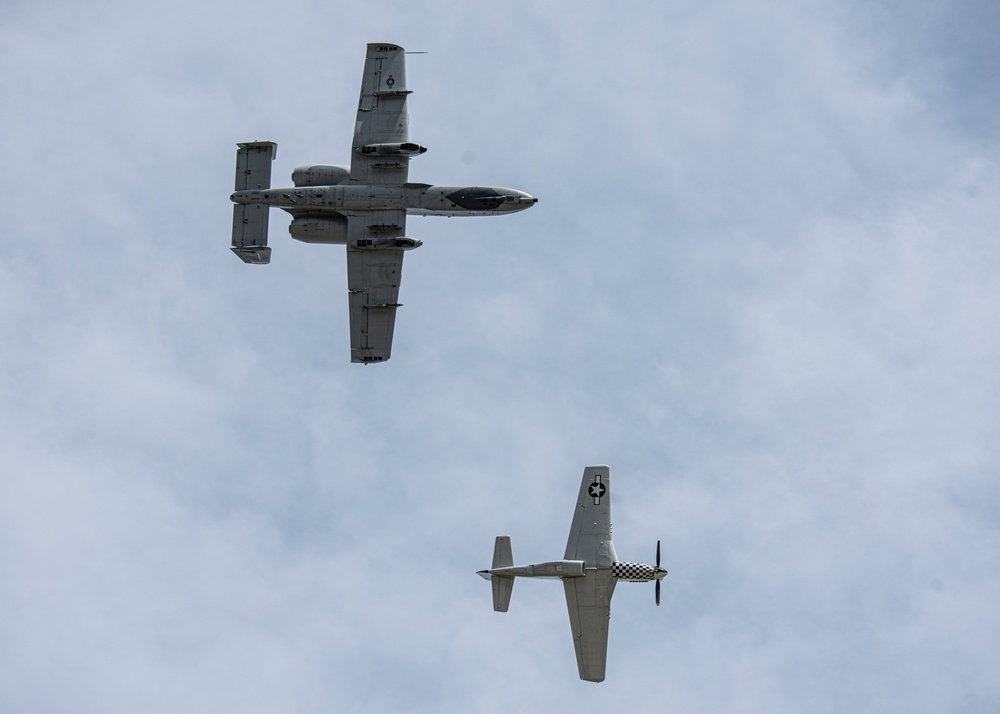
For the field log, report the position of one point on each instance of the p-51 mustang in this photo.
(589, 572)
(364, 207)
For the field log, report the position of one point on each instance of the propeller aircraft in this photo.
(589, 571)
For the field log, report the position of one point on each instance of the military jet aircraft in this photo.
(589, 572)
(364, 206)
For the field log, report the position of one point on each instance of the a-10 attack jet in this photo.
(589, 572)
(364, 206)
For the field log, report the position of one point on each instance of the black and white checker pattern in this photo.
(634, 572)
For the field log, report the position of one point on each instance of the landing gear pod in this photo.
(407, 148)
(400, 242)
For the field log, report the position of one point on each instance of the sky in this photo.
(761, 283)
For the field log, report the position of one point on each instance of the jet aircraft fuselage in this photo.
(415, 199)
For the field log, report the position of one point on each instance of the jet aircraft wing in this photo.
(382, 118)
(590, 534)
(588, 600)
(373, 274)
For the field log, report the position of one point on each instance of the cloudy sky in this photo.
(761, 283)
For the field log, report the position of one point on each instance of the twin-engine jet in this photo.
(589, 572)
(363, 207)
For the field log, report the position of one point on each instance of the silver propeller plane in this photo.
(363, 207)
(589, 571)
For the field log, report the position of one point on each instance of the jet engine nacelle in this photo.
(320, 175)
(387, 243)
(407, 148)
(319, 230)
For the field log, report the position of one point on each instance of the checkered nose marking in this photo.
(633, 572)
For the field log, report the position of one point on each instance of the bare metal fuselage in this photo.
(415, 199)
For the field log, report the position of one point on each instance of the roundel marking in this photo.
(389, 82)
(597, 489)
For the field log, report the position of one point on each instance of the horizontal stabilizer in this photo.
(253, 173)
(250, 233)
(253, 165)
(502, 555)
(502, 586)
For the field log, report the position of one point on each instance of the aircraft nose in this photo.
(519, 200)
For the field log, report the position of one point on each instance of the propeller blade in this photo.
(657, 554)
(657, 593)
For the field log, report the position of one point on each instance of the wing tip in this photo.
(384, 47)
